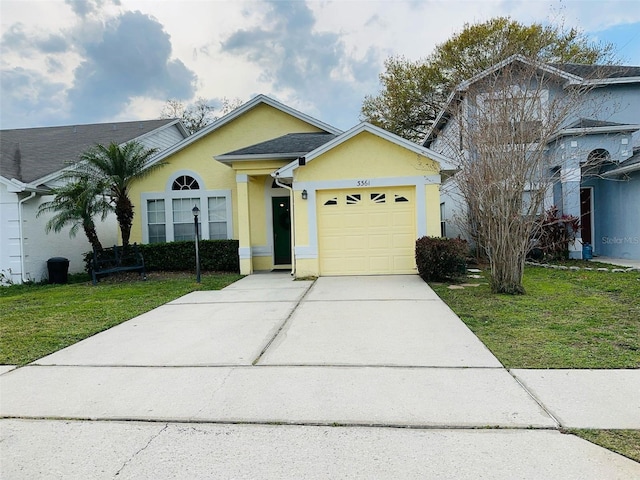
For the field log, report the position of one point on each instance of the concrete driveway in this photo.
(275, 378)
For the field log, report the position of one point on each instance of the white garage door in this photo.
(367, 231)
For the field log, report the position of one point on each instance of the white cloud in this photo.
(322, 57)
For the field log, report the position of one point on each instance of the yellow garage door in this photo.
(367, 231)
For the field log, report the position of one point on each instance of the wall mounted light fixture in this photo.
(304, 195)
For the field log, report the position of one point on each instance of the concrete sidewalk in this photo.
(279, 378)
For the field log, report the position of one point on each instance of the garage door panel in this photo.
(366, 231)
(379, 242)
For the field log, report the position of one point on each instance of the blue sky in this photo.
(83, 61)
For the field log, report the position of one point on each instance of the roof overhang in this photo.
(255, 157)
(622, 170)
(16, 186)
(603, 81)
(568, 132)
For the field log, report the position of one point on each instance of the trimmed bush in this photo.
(215, 255)
(441, 258)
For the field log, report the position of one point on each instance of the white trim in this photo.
(244, 253)
(570, 175)
(311, 187)
(444, 162)
(180, 173)
(261, 251)
(306, 251)
(418, 182)
(169, 196)
(258, 156)
(622, 170)
(607, 81)
(269, 193)
(242, 178)
(566, 132)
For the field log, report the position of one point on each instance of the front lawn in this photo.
(37, 320)
(567, 319)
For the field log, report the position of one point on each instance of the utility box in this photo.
(58, 268)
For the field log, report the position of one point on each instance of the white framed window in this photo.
(167, 216)
(183, 221)
(156, 221)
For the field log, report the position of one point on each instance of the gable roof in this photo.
(29, 154)
(573, 73)
(588, 126)
(290, 146)
(287, 170)
(251, 104)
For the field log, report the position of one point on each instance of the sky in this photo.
(66, 62)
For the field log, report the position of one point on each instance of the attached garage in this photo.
(366, 231)
(359, 202)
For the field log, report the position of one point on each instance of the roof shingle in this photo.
(28, 154)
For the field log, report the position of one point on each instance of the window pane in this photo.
(217, 218)
(157, 234)
(218, 230)
(183, 231)
(156, 221)
(183, 228)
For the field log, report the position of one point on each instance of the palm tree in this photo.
(114, 168)
(77, 204)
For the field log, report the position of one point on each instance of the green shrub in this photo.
(441, 258)
(215, 255)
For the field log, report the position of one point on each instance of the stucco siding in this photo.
(364, 163)
(259, 124)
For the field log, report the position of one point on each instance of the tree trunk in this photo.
(507, 271)
(92, 236)
(124, 214)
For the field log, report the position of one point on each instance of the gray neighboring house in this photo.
(606, 201)
(32, 161)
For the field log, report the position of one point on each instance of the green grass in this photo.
(567, 319)
(624, 442)
(37, 320)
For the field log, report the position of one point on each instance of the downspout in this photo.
(20, 232)
(293, 227)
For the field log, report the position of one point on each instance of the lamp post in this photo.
(196, 211)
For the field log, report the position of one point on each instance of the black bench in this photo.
(117, 259)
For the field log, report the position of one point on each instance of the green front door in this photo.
(281, 231)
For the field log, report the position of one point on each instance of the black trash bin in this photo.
(58, 269)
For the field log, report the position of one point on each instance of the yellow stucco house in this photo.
(296, 193)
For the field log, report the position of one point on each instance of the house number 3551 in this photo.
(363, 183)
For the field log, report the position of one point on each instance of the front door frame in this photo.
(587, 214)
(281, 216)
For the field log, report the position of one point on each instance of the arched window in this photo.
(596, 160)
(185, 182)
(169, 214)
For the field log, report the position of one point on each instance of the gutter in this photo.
(622, 170)
(20, 230)
(293, 226)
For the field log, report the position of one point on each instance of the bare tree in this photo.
(505, 121)
(197, 115)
